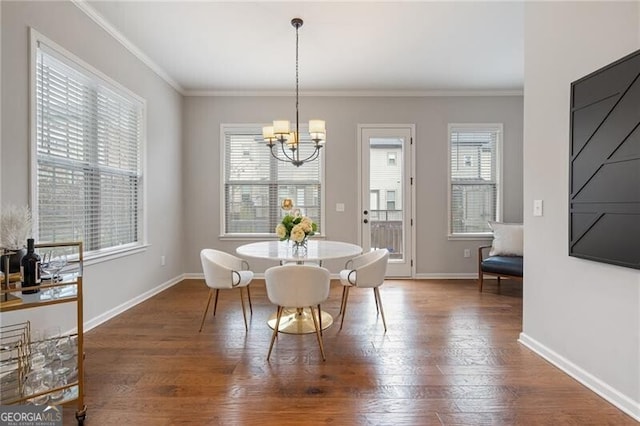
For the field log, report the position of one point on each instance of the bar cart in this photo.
(44, 366)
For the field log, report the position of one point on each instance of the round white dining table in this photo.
(315, 251)
(299, 321)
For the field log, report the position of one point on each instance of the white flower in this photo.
(297, 234)
(281, 231)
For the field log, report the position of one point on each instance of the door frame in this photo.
(410, 180)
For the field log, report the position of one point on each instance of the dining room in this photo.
(430, 130)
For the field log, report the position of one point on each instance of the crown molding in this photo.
(118, 36)
(357, 93)
(113, 32)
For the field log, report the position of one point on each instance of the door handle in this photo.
(366, 212)
(366, 221)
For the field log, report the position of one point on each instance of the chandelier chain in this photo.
(297, 101)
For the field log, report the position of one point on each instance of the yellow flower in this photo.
(287, 204)
(281, 231)
(297, 234)
(307, 225)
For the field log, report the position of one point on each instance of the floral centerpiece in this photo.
(296, 228)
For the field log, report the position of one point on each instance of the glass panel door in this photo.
(386, 195)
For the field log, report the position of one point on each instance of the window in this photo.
(474, 176)
(374, 199)
(391, 200)
(88, 155)
(255, 183)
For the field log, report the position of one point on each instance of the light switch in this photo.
(537, 207)
(339, 207)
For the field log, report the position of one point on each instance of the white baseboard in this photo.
(259, 275)
(440, 276)
(612, 395)
(447, 276)
(94, 322)
(193, 276)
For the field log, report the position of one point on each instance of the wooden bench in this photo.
(499, 266)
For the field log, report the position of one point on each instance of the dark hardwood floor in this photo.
(450, 357)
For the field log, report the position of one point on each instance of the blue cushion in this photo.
(507, 265)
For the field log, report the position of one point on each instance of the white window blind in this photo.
(255, 183)
(474, 177)
(88, 157)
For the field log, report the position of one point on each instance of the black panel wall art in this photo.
(604, 186)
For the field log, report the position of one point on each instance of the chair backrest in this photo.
(219, 267)
(371, 268)
(297, 286)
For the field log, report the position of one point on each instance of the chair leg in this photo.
(498, 283)
(344, 306)
(318, 334)
(206, 309)
(275, 330)
(377, 292)
(375, 296)
(344, 289)
(244, 314)
(319, 317)
(480, 281)
(249, 297)
(215, 304)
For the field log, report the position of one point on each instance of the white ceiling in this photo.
(368, 47)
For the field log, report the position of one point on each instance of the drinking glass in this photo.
(59, 379)
(38, 350)
(51, 337)
(52, 263)
(66, 348)
(36, 382)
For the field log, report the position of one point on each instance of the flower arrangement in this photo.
(296, 227)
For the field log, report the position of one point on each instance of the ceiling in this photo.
(345, 47)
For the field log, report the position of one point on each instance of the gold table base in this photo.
(299, 321)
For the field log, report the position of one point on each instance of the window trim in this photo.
(499, 180)
(257, 127)
(75, 62)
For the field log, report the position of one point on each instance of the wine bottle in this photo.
(30, 268)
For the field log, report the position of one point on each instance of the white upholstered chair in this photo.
(225, 271)
(365, 271)
(298, 286)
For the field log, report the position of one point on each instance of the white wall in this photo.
(435, 254)
(584, 316)
(112, 283)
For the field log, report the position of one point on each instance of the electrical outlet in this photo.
(163, 260)
(339, 207)
(467, 253)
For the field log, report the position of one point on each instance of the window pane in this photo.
(472, 207)
(247, 208)
(386, 159)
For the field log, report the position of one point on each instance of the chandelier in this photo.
(289, 140)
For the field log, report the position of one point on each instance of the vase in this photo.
(14, 260)
(299, 248)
